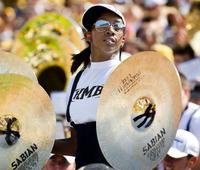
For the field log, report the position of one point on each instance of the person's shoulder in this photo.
(193, 106)
(74, 75)
(196, 111)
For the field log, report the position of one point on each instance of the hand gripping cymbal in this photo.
(27, 123)
(139, 111)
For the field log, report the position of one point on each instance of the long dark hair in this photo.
(81, 58)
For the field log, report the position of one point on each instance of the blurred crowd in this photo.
(148, 21)
(165, 26)
(160, 25)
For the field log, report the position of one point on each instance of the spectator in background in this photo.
(133, 47)
(58, 162)
(96, 166)
(8, 25)
(187, 62)
(189, 109)
(183, 53)
(195, 93)
(190, 117)
(146, 33)
(183, 153)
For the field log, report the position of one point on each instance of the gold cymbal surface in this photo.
(10, 63)
(139, 111)
(27, 123)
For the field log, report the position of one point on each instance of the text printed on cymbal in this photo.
(128, 82)
(28, 159)
(154, 147)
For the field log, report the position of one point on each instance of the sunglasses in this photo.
(103, 25)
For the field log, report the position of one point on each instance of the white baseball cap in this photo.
(153, 3)
(91, 14)
(185, 143)
(96, 166)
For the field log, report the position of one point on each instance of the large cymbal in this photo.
(27, 123)
(10, 63)
(139, 111)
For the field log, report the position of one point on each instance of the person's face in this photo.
(57, 163)
(110, 40)
(170, 163)
(185, 95)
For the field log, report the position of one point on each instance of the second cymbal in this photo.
(139, 111)
(27, 123)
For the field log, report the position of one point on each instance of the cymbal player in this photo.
(105, 33)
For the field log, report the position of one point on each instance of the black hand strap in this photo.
(72, 92)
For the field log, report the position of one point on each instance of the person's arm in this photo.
(65, 146)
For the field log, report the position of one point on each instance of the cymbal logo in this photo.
(144, 104)
(149, 113)
(9, 126)
(28, 159)
(154, 147)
